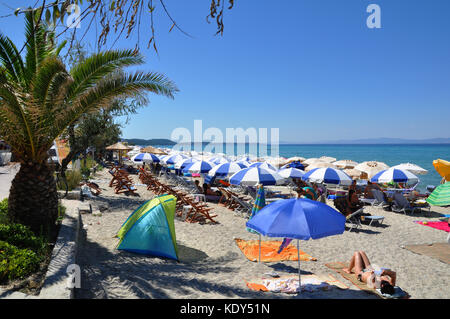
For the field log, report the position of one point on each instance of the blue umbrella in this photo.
(226, 169)
(295, 164)
(394, 175)
(145, 158)
(299, 218)
(328, 175)
(255, 175)
(198, 167)
(264, 165)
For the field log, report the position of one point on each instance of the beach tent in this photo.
(150, 229)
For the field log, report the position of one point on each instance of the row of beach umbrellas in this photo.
(246, 173)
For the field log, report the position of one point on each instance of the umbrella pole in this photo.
(299, 279)
(259, 247)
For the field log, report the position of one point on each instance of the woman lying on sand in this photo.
(373, 276)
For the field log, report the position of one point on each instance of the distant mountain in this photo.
(387, 140)
(154, 141)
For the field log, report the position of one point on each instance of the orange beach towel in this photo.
(269, 249)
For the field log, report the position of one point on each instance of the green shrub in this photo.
(21, 237)
(73, 179)
(4, 211)
(85, 172)
(16, 263)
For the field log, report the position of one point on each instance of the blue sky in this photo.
(311, 68)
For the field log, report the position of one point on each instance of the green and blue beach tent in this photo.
(440, 196)
(150, 229)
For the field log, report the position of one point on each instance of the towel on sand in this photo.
(269, 249)
(438, 225)
(289, 284)
(353, 278)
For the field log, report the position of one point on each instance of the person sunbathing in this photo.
(368, 190)
(372, 275)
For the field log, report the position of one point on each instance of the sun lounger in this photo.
(401, 204)
(354, 219)
(379, 199)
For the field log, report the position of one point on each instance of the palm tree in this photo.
(39, 99)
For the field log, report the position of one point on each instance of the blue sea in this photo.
(391, 154)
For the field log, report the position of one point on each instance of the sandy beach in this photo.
(212, 266)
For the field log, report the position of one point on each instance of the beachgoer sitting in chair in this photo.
(197, 184)
(372, 275)
(353, 203)
(307, 192)
(368, 190)
(208, 191)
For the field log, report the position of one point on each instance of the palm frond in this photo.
(11, 59)
(96, 67)
(110, 88)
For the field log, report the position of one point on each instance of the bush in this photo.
(21, 237)
(16, 263)
(4, 211)
(73, 179)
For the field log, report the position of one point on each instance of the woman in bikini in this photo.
(373, 276)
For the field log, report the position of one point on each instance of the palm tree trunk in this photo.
(33, 199)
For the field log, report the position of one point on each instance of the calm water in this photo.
(422, 155)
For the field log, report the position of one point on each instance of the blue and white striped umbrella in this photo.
(327, 175)
(264, 165)
(226, 169)
(172, 159)
(394, 175)
(199, 167)
(145, 158)
(245, 163)
(218, 160)
(253, 176)
(182, 164)
(291, 172)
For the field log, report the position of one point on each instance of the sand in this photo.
(212, 266)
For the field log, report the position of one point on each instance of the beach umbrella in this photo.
(319, 165)
(295, 164)
(413, 168)
(276, 162)
(260, 202)
(119, 147)
(300, 219)
(218, 160)
(172, 159)
(394, 175)
(327, 175)
(183, 163)
(443, 168)
(327, 159)
(309, 161)
(291, 173)
(353, 173)
(226, 169)
(145, 158)
(153, 150)
(253, 176)
(343, 164)
(371, 167)
(264, 165)
(199, 167)
(440, 196)
(295, 159)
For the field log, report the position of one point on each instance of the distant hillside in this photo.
(387, 140)
(154, 141)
